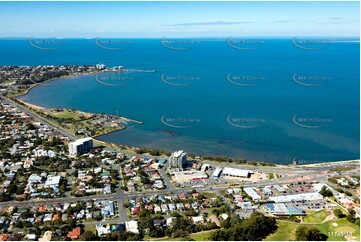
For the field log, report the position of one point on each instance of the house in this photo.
(47, 236)
(52, 182)
(224, 216)
(101, 230)
(132, 226)
(171, 207)
(30, 236)
(135, 210)
(180, 206)
(157, 208)
(164, 208)
(158, 184)
(56, 216)
(195, 195)
(169, 221)
(157, 222)
(198, 219)
(64, 217)
(194, 205)
(42, 209)
(35, 178)
(48, 217)
(74, 234)
(3, 237)
(213, 219)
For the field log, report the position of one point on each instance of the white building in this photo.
(178, 159)
(35, 178)
(80, 146)
(297, 197)
(252, 193)
(217, 173)
(132, 226)
(41, 152)
(228, 171)
(52, 182)
(198, 220)
(101, 230)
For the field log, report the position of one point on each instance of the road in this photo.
(290, 174)
(39, 118)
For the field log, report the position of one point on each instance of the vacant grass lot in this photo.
(316, 217)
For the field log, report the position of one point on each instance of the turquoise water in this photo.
(279, 101)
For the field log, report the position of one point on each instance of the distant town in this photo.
(59, 183)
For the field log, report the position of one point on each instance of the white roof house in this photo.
(132, 226)
(52, 181)
(34, 178)
(198, 219)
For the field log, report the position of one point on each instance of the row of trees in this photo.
(256, 228)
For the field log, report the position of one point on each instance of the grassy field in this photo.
(287, 231)
(200, 236)
(90, 228)
(316, 217)
(67, 114)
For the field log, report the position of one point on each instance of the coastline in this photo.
(36, 107)
(50, 80)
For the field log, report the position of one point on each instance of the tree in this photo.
(157, 232)
(304, 233)
(338, 213)
(256, 228)
(88, 236)
(325, 192)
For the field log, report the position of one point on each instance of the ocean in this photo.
(272, 100)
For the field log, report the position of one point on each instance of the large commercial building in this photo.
(80, 146)
(182, 176)
(252, 193)
(281, 209)
(217, 173)
(178, 159)
(228, 171)
(297, 197)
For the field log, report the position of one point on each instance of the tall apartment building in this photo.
(178, 159)
(80, 146)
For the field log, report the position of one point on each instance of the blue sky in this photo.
(178, 19)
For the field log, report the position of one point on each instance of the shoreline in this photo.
(51, 80)
(37, 107)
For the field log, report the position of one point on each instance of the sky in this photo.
(178, 19)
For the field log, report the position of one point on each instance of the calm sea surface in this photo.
(266, 100)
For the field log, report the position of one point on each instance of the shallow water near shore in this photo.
(215, 100)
